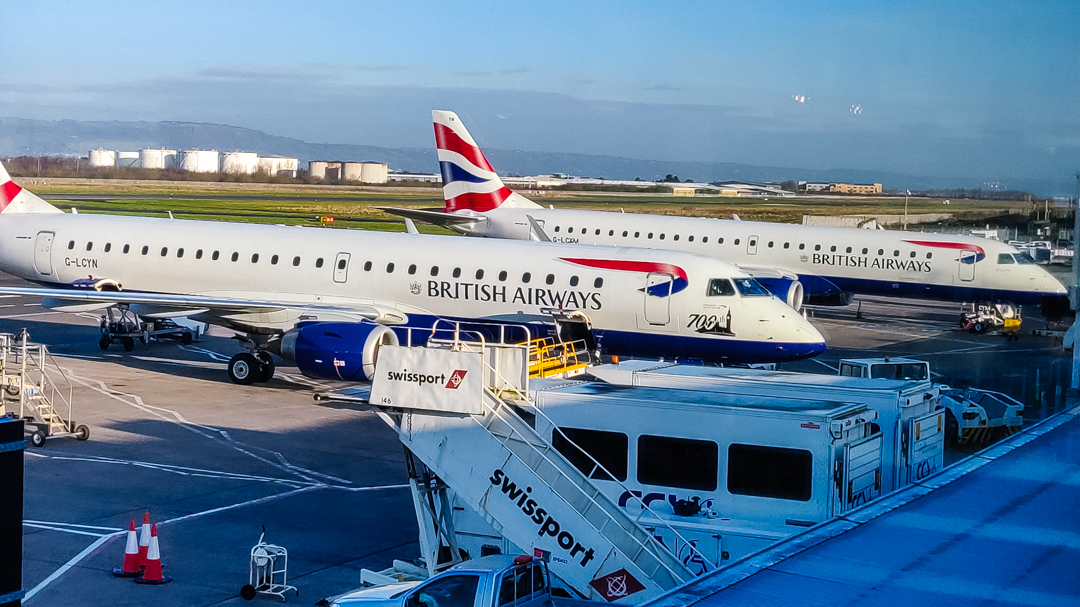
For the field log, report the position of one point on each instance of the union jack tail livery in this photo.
(469, 182)
(14, 199)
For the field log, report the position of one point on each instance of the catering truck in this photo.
(912, 426)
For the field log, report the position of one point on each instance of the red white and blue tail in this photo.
(14, 199)
(469, 182)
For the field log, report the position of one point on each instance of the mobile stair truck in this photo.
(908, 414)
(483, 454)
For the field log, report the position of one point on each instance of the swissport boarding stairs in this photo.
(494, 461)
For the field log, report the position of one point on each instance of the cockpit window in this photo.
(720, 287)
(1004, 259)
(1024, 259)
(750, 287)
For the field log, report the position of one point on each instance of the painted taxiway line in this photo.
(68, 565)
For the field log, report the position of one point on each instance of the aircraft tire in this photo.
(266, 367)
(244, 368)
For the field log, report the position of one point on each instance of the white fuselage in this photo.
(937, 266)
(421, 276)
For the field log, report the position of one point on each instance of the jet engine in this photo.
(787, 289)
(336, 350)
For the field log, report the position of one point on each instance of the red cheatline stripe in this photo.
(629, 266)
(477, 202)
(947, 245)
(8, 192)
(446, 139)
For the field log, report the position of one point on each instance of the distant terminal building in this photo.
(812, 187)
(398, 176)
(746, 188)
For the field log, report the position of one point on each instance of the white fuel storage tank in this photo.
(102, 158)
(157, 158)
(127, 159)
(244, 163)
(278, 166)
(373, 172)
(199, 161)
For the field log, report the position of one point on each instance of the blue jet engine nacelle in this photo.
(787, 289)
(336, 350)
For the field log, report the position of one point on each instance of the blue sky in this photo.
(976, 89)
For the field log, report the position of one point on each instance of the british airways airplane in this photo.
(820, 265)
(328, 299)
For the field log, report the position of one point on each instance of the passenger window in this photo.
(849, 249)
(89, 246)
(720, 287)
(389, 266)
(108, 247)
(479, 275)
(896, 253)
(296, 261)
(817, 247)
(556, 228)
(573, 281)
(412, 269)
(164, 251)
(787, 244)
(1004, 259)
(688, 239)
(180, 252)
(526, 277)
(676, 237)
(912, 254)
(705, 239)
(611, 232)
(550, 279)
(597, 232)
(661, 236)
(636, 234)
(341, 264)
(832, 249)
(720, 240)
(881, 251)
(864, 250)
(502, 275)
(802, 246)
(254, 258)
(215, 256)
(770, 244)
(678, 462)
(235, 256)
(127, 248)
(198, 254)
(367, 266)
(770, 472)
(650, 234)
(456, 273)
(274, 260)
(625, 233)
(736, 241)
(71, 245)
(318, 262)
(569, 230)
(610, 449)
(145, 249)
(929, 255)
(599, 282)
(434, 271)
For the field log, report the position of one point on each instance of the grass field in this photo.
(353, 207)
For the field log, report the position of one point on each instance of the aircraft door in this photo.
(341, 267)
(751, 245)
(658, 298)
(43, 253)
(966, 270)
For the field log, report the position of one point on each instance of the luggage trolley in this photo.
(268, 572)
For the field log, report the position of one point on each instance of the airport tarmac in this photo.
(213, 461)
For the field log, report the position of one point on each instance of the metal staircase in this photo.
(35, 385)
(495, 462)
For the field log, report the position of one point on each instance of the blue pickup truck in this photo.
(492, 581)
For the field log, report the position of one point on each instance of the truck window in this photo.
(450, 591)
(850, 370)
(608, 448)
(678, 462)
(908, 371)
(521, 585)
(770, 472)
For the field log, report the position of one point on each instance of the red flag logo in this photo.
(455, 379)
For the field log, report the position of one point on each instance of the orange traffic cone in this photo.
(131, 566)
(144, 538)
(152, 573)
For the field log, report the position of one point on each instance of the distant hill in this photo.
(20, 136)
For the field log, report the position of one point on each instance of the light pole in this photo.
(906, 194)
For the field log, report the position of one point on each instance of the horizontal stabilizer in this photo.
(434, 216)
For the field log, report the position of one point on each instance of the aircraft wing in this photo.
(768, 271)
(435, 216)
(167, 304)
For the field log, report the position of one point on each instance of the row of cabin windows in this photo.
(199, 254)
(686, 463)
(479, 275)
(433, 271)
(737, 241)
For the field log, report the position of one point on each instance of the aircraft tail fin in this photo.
(15, 199)
(469, 181)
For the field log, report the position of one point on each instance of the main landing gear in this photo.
(248, 368)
